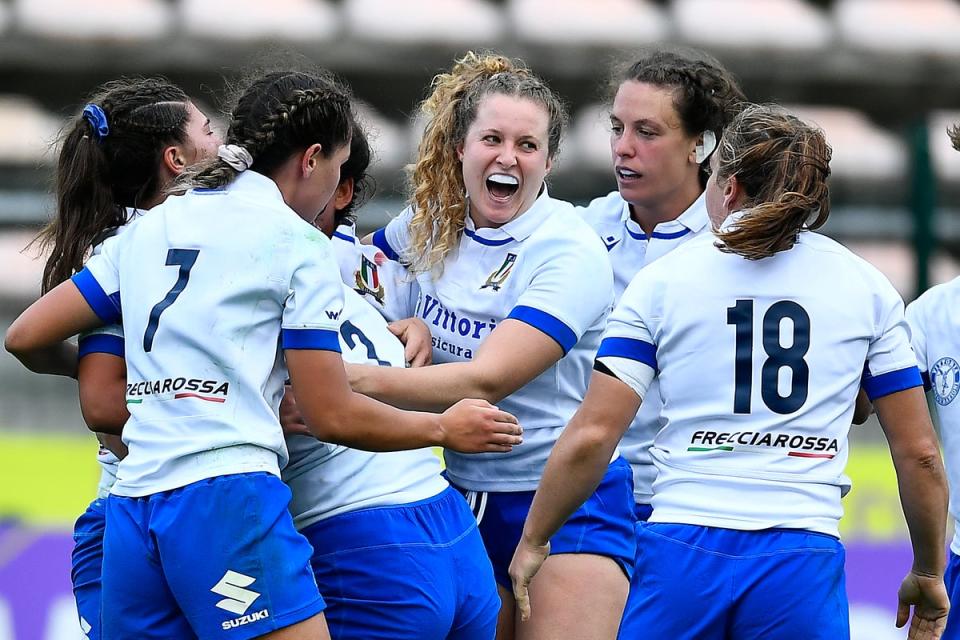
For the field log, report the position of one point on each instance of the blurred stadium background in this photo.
(882, 77)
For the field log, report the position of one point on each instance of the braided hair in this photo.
(98, 175)
(276, 115)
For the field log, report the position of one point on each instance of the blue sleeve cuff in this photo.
(892, 382)
(629, 348)
(318, 339)
(107, 307)
(101, 343)
(545, 322)
(380, 241)
(927, 384)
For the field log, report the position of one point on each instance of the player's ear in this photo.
(173, 159)
(309, 158)
(732, 194)
(343, 195)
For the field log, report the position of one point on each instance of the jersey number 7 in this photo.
(741, 316)
(185, 258)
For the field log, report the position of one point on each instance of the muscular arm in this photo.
(920, 475)
(37, 338)
(511, 356)
(335, 413)
(581, 455)
(102, 379)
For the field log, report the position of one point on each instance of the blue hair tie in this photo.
(98, 120)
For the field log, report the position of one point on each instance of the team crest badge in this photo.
(945, 380)
(495, 280)
(368, 279)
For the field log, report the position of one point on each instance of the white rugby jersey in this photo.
(546, 268)
(759, 365)
(630, 249)
(107, 339)
(382, 282)
(212, 286)
(935, 335)
(327, 480)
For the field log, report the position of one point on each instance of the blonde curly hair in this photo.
(436, 183)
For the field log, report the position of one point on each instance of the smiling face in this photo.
(505, 158)
(653, 157)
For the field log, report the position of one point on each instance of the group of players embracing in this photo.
(643, 403)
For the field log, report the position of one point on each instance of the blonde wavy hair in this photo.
(783, 164)
(438, 194)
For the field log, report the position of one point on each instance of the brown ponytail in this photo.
(783, 165)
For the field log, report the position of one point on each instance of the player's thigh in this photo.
(87, 567)
(251, 575)
(792, 589)
(678, 591)
(575, 596)
(506, 619)
(136, 601)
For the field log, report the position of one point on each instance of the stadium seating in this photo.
(96, 19)
(752, 24)
(576, 23)
(450, 21)
(244, 20)
(899, 26)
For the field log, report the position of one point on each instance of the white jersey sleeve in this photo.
(628, 349)
(571, 288)
(99, 282)
(312, 310)
(915, 316)
(394, 239)
(891, 363)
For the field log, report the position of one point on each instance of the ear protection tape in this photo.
(703, 150)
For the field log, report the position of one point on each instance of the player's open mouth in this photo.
(626, 174)
(501, 185)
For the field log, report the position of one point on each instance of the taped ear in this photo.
(706, 146)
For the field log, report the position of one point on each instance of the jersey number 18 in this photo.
(740, 316)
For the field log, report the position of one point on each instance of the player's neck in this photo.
(649, 214)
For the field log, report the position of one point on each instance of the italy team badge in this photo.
(495, 280)
(368, 279)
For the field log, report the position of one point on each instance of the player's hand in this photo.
(291, 419)
(476, 426)
(416, 339)
(527, 560)
(930, 603)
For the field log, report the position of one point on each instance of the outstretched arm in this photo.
(511, 356)
(335, 413)
(37, 338)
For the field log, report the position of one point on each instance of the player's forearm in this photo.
(365, 423)
(923, 494)
(59, 359)
(574, 470)
(433, 388)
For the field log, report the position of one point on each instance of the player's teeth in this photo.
(500, 178)
(626, 173)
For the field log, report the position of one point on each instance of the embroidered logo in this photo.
(945, 380)
(368, 279)
(610, 242)
(495, 280)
